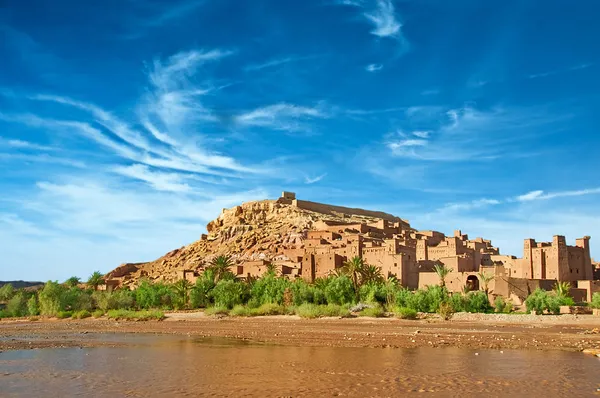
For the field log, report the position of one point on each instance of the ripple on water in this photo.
(225, 367)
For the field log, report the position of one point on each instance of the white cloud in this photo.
(374, 67)
(160, 181)
(470, 134)
(541, 195)
(309, 180)
(20, 144)
(421, 134)
(269, 64)
(384, 19)
(282, 116)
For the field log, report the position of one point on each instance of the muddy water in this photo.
(168, 366)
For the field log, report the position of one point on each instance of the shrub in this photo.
(64, 314)
(405, 313)
(445, 310)
(228, 293)
(81, 314)
(239, 310)
(334, 310)
(373, 293)
(4, 314)
(502, 305)
(269, 289)
(477, 302)
(200, 293)
(51, 298)
(136, 315)
(32, 306)
(540, 301)
(339, 290)
(98, 314)
(154, 295)
(6, 292)
(217, 310)
(595, 303)
(310, 311)
(75, 299)
(268, 309)
(114, 300)
(302, 292)
(375, 311)
(17, 305)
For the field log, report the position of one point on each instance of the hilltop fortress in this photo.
(311, 240)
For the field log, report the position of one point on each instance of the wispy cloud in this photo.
(160, 181)
(557, 71)
(140, 25)
(309, 180)
(20, 144)
(374, 67)
(468, 133)
(541, 195)
(383, 18)
(282, 116)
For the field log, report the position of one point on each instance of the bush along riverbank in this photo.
(357, 289)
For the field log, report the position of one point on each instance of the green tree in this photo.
(354, 268)
(485, 279)
(6, 292)
(52, 298)
(73, 281)
(371, 274)
(442, 271)
(95, 280)
(562, 289)
(182, 288)
(221, 267)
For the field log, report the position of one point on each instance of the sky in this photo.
(127, 125)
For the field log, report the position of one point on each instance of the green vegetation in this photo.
(405, 313)
(81, 314)
(136, 315)
(220, 292)
(95, 280)
(375, 311)
(595, 301)
(504, 306)
(6, 292)
(541, 301)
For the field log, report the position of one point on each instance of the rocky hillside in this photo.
(251, 231)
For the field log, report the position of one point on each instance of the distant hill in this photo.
(21, 284)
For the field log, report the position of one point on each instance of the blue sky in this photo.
(126, 125)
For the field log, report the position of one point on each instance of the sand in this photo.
(473, 331)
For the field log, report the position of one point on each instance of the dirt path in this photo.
(573, 333)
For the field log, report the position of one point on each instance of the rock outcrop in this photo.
(250, 231)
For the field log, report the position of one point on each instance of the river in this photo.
(169, 366)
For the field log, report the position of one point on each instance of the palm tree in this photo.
(371, 274)
(221, 266)
(354, 268)
(181, 288)
(442, 272)
(562, 289)
(271, 268)
(485, 279)
(95, 280)
(73, 281)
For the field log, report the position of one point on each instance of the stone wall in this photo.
(330, 209)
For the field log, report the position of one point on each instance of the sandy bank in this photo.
(495, 331)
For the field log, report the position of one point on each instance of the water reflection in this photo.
(167, 367)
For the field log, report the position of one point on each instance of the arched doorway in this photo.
(472, 283)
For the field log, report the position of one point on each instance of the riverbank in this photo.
(471, 331)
